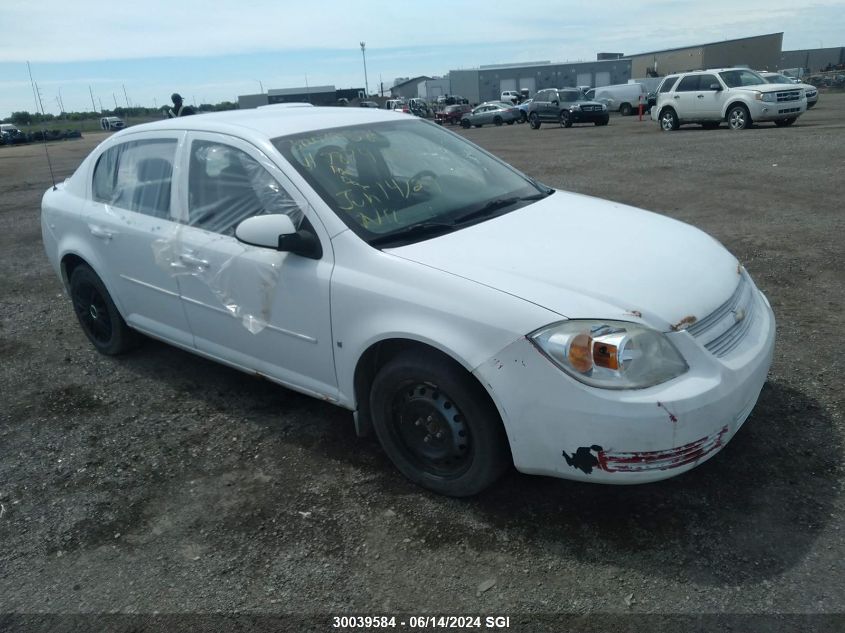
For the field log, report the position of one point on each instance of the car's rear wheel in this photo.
(437, 425)
(97, 314)
(738, 118)
(785, 122)
(465, 123)
(565, 119)
(534, 121)
(497, 120)
(625, 109)
(668, 120)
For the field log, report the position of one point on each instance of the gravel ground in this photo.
(161, 482)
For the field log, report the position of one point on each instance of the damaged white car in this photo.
(469, 315)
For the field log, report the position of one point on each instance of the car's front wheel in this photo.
(437, 425)
(738, 118)
(668, 120)
(97, 314)
(785, 122)
(565, 119)
(534, 121)
(465, 123)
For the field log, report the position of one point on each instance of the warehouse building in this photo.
(317, 95)
(410, 88)
(487, 83)
(762, 52)
(814, 59)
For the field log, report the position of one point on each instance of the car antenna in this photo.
(43, 131)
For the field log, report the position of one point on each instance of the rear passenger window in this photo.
(667, 84)
(688, 84)
(137, 176)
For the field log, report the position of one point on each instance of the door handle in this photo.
(189, 259)
(700, 96)
(677, 97)
(100, 232)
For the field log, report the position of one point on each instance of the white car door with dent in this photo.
(256, 308)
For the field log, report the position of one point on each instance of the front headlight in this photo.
(769, 97)
(575, 107)
(610, 354)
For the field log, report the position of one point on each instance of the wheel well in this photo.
(374, 358)
(69, 264)
(736, 103)
(623, 104)
(664, 108)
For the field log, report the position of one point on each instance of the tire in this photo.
(785, 122)
(739, 118)
(510, 122)
(565, 119)
(97, 315)
(669, 120)
(497, 120)
(625, 109)
(534, 121)
(437, 425)
(465, 124)
(523, 117)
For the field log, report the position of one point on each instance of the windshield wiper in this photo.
(423, 229)
(495, 205)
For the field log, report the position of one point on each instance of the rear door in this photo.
(129, 217)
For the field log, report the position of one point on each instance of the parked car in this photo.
(368, 104)
(112, 123)
(420, 108)
(452, 114)
(810, 92)
(11, 135)
(523, 110)
(736, 95)
(622, 98)
(391, 104)
(388, 266)
(510, 96)
(565, 106)
(495, 112)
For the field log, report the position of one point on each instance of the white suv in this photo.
(736, 95)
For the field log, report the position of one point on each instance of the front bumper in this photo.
(769, 111)
(579, 116)
(559, 427)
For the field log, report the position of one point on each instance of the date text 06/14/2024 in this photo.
(421, 622)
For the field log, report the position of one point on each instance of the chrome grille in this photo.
(723, 330)
(590, 108)
(789, 95)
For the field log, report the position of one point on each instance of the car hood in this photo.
(767, 87)
(583, 257)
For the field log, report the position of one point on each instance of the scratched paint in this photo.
(684, 323)
(672, 417)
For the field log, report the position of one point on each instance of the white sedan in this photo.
(469, 315)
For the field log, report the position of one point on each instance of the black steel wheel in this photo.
(465, 124)
(523, 117)
(97, 314)
(437, 425)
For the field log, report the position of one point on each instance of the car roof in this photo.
(271, 122)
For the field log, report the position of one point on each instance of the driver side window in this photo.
(226, 186)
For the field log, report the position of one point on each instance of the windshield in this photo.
(384, 178)
(739, 78)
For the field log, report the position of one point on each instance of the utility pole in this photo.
(115, 100)
(364, 55)
(61, 103)
(125, 96)
(93, 105)
(307, 89)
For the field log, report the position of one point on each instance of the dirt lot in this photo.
(162, 482)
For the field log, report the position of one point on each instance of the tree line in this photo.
(24, 118)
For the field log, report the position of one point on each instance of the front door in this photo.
(256, 308)
(709, 101)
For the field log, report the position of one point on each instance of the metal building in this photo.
(813, 59)
(761, 52)
(488, 82)
(410, 88)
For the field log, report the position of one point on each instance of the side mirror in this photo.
(716, 87)
(277, 231)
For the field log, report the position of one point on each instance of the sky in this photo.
(214, 50)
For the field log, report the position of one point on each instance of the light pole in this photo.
(364, 55)
(260, 85)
